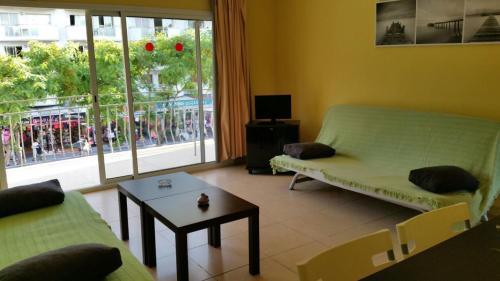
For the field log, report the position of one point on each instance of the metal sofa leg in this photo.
(294, 180)
(298, 179)
(484, 218)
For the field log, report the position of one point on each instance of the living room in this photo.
(384, 113)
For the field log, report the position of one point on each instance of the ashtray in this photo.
(165, 183)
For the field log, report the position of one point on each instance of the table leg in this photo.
(148, 238)
(214, 236)
(181, 253)
(254, 244)
(122, 199)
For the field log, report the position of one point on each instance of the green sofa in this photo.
(378, 147)
(73, 222)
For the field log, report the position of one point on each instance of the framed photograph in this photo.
(396, 22)
(482, 21)
(440, 21)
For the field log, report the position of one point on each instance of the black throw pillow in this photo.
(86, 262)
(444, 179)
(30, 197)
(308, 150)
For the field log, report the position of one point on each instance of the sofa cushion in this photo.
(444, 179)
(30, 197)
(85, 262)
(308, 150)
(72, 223)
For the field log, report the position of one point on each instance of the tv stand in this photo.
(272, 122)
(265, 139)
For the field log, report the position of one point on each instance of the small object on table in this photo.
(203, 200)
(165, 183)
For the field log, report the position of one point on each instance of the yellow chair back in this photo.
(350, 261)
(428, 229)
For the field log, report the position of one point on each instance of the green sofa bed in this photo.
(73, 222)
(378, 147)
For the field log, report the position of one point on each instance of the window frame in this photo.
(124, 11)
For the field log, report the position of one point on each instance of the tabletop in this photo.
(148, 188)
(182, 210)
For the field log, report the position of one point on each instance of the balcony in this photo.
(28, 32)
(57, 138)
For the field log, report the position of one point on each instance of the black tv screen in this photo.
(273, 107)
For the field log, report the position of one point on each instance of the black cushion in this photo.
(86, 262)
(30, 197)
(444, 179)
(308, 150)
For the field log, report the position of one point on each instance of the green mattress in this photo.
(73, 222)
(378, 147)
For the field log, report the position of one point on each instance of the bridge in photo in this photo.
(452, 25)
(489, 31)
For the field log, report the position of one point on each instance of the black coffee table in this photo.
(182, 215)
(142, 190)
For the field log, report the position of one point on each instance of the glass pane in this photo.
(163, 69)
(112, 94)
(207, 56)
(46, 114)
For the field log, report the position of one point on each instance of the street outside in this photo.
(77, 173)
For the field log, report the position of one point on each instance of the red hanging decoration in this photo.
(149, 47)
(179, 47)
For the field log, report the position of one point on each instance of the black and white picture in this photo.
(396, 22)
(482, 21)
(440, 21)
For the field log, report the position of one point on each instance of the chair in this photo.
(433, 227)
(350, 261)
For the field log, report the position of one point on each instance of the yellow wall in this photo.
(325, 55)
(261, 33)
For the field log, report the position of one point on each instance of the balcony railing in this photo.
(63, 128)
(21, 31)
(106, 31)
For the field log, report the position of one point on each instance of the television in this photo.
(273, 107)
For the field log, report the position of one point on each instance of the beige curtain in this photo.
(233, 79)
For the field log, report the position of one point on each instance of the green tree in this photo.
(18, 83)
(207, 59)
(65, 68)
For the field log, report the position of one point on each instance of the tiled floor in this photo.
(294, 225)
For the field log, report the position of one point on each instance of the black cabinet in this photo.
(266, 140)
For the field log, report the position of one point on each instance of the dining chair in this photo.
(428, 229)
(350, 261)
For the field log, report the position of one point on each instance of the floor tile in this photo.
(232, 254)
(166, 270)
(289, 259)
(278, 238)
(270, 271)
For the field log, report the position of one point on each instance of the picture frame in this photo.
(404, 23)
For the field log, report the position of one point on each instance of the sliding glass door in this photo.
(115, 130)
(46, 109)
(169, 92)
(98, 96)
